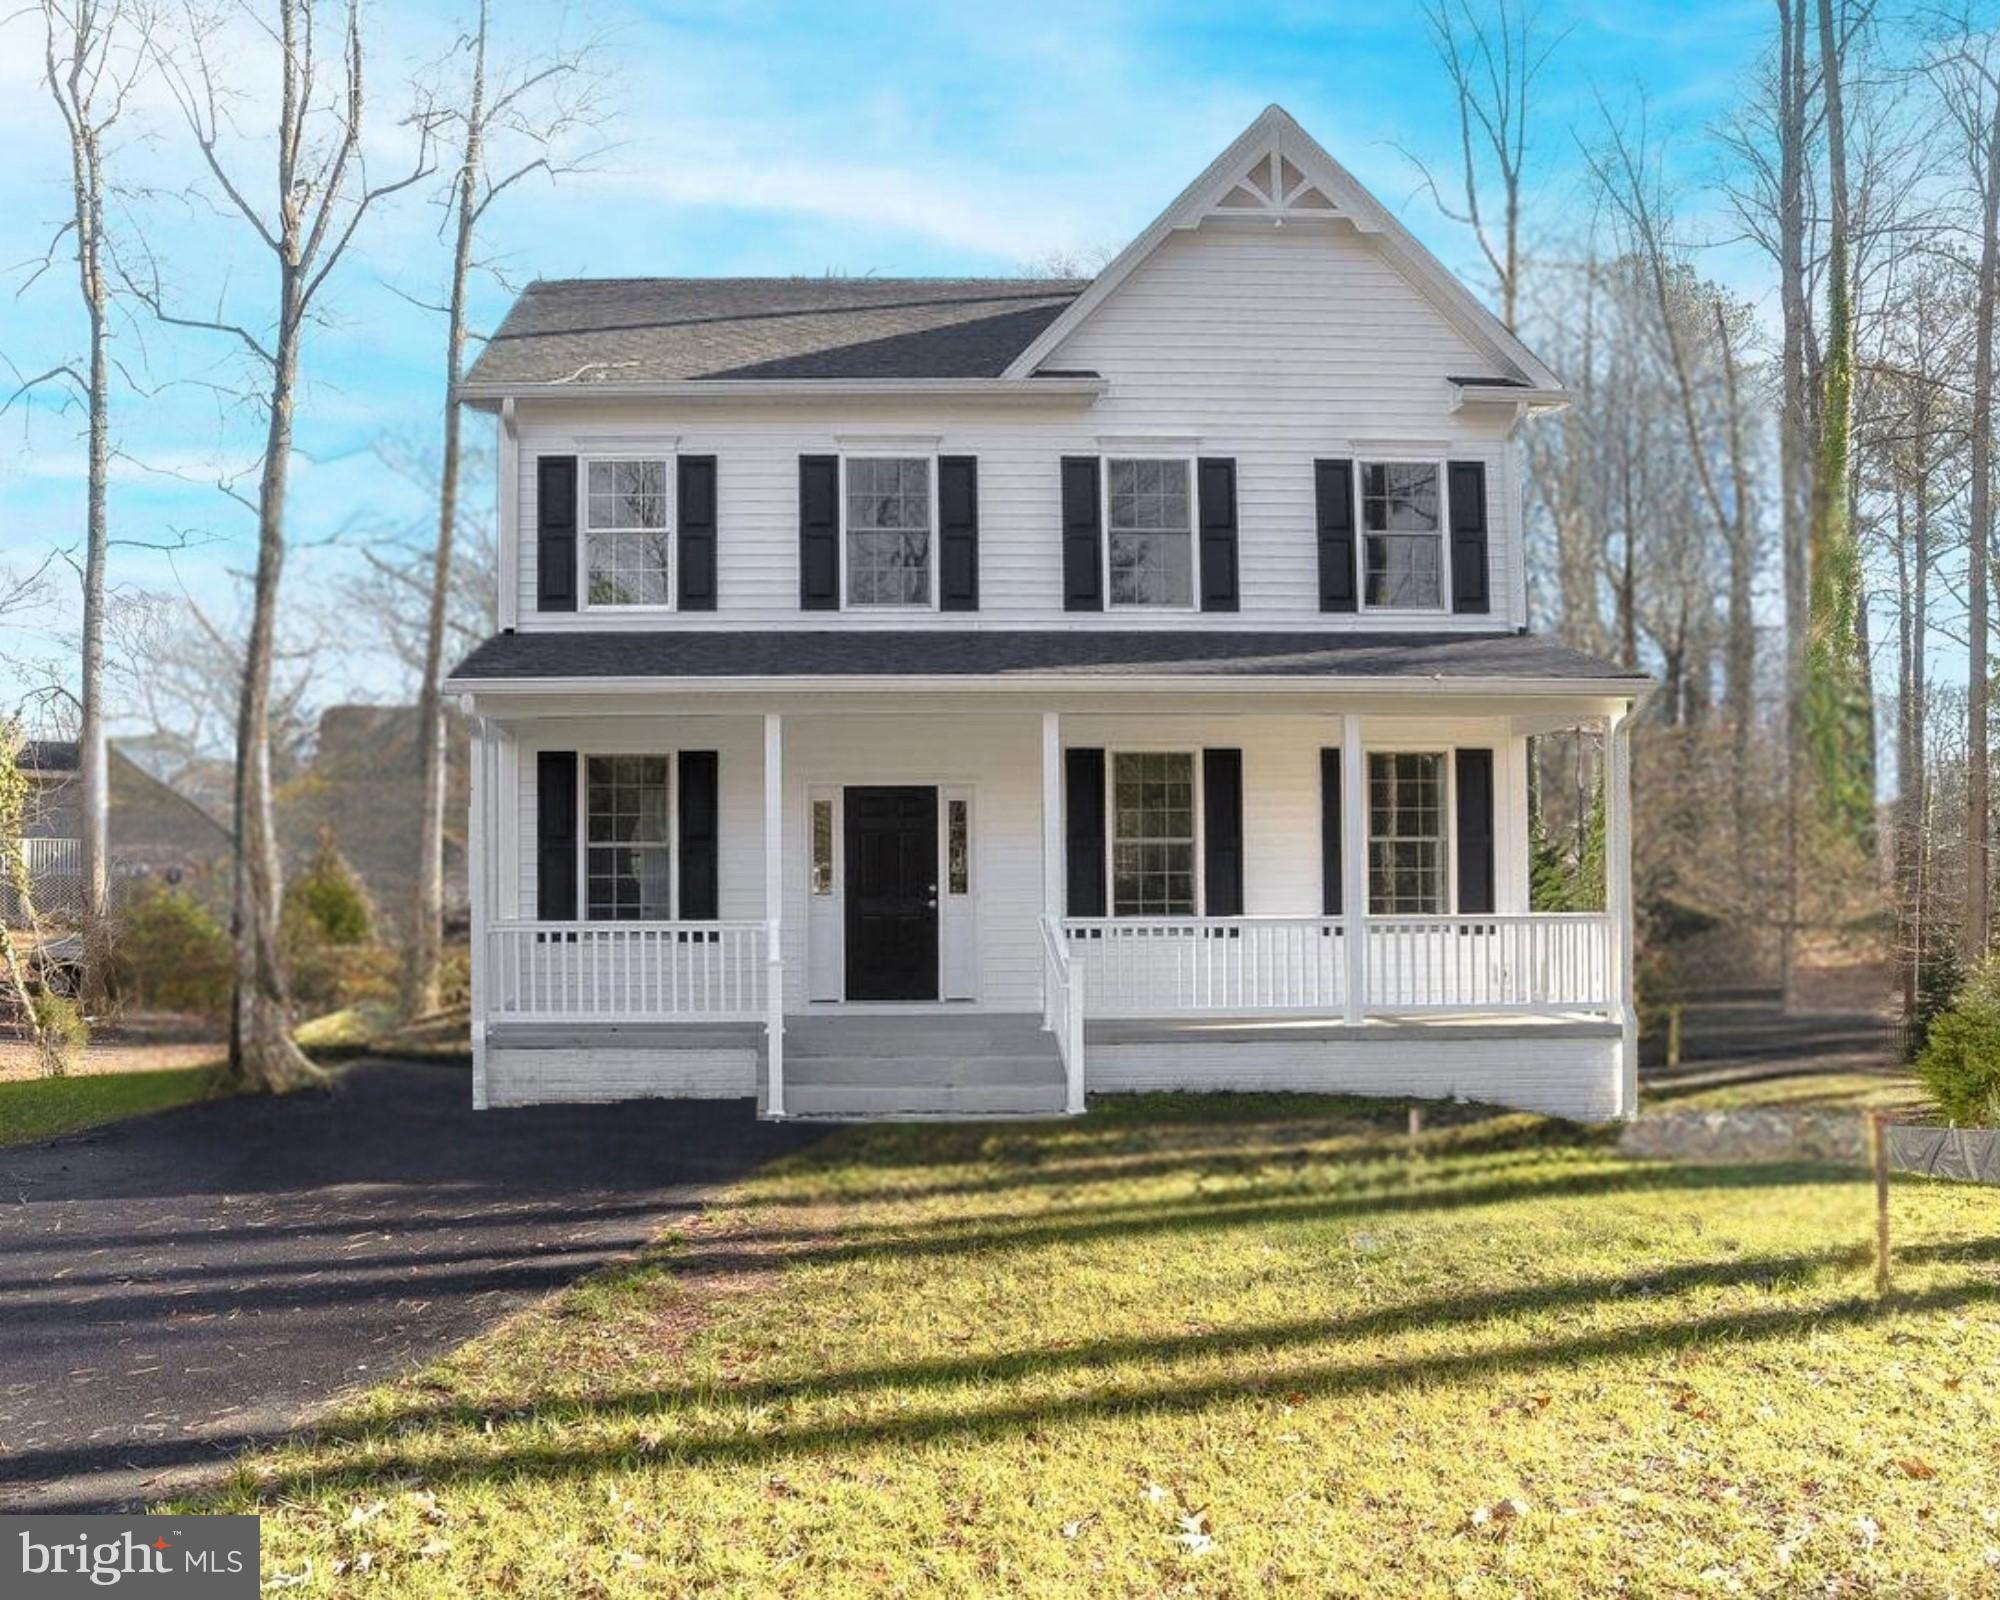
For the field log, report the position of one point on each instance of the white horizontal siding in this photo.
(1273, 347)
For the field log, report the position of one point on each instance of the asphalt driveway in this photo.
(179, 1286)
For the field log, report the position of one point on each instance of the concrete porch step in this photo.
(959, 1071)
(863, 1068)
(863, 1101)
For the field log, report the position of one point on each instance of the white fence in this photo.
(1170, 966)
(1537, 962)
(55, 879)
(626, 971)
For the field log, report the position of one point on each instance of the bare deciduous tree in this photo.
(506, 128)
(323, 193)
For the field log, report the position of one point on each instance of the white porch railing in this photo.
(1169, 966)
(1063, 1008)
(1245, 966)
(626, 971)
(1539, 961)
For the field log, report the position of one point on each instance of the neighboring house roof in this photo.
(584, 331)
(48, 756)
(1088, 655)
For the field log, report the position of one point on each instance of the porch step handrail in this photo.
(1063, 1009)
(627, 971)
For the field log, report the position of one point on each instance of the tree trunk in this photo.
(420, 979)
(1978, 769)
(1835, 706)
(1792, 456)
(262, 1055)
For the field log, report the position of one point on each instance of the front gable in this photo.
(1276, 178)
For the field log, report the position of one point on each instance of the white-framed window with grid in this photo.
(1149, 531)
(627, 527)
(888, 538)
(1402, 535)
(1155, 833)
(1409, 833)
(627, 838)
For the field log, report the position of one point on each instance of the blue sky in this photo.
(752, 138)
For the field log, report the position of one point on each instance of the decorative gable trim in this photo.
(1275, 172)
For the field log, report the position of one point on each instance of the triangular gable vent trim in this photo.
(1272, 187)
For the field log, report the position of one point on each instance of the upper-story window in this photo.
(1402, 530)
(626, 532)
(1150, 523)
(889, 528)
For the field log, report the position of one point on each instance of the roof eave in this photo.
(1434, 684)
(488, 396)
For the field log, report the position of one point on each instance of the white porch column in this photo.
(1354, 863)
(774, 892)
(1618, 899)
(1052, 837)
(478, 834)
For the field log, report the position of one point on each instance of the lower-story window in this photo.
(628, 828)
(1152, 834)
(1408, 851)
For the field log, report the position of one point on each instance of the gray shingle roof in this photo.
(1089, 655)
(663, 330)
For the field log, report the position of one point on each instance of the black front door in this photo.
(892, 899)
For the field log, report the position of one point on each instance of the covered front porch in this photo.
(919, 862)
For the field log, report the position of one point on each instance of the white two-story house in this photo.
(959, 696)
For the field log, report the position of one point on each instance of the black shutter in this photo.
(697, 533)
(1475, 833)
(555, 836)
(1082, 536)
(555, 533)
(819, 533)
(1083, 830)
(1222, 832)
(1217, 479)
(700, 873)
(958, 533)
(1468, 536)
(1329, 833)
(1333, 490)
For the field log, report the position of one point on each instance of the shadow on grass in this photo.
(1207, 1213)
(730, 1444)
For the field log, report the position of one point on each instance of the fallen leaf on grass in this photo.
(1508, 1510)
(1074, 1528)
(361, 1515)
(1154, 1494)
(432, 1548)
(1870, 1531)
(1917, 1467)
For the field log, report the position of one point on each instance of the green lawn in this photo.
(41, 1108)
(1223, 1346)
